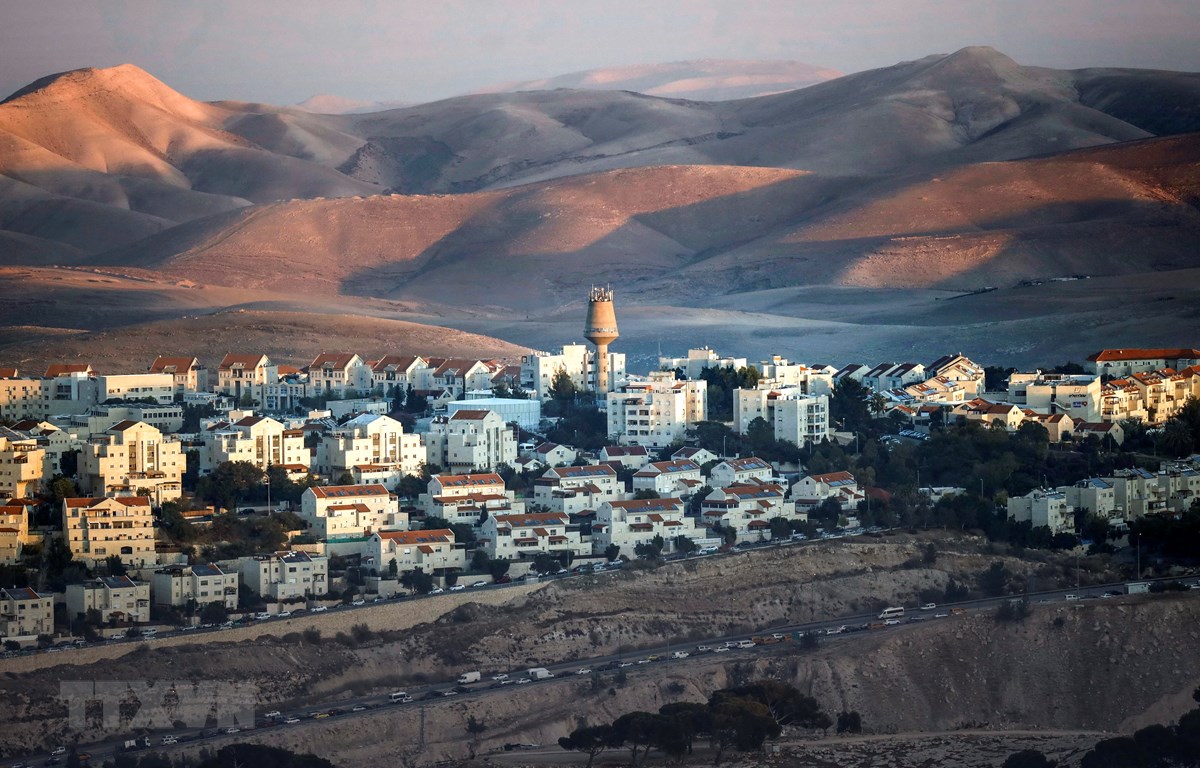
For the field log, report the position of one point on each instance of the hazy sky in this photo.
(283, 51)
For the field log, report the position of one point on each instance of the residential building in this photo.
(814, 380)
(887, 376)
(53, 441)
(697, 360)
(391, 371)
(1005, 415)
(433, 551)
(1121, 399)
(1043, 508)
(657, 412)
(669, 478)
(203, 583)
(350, 511)
(22, 463)
(1099, 429)
(628, 456)
(21, 399)
(455, 376)
(100, 418)
(1059, 426)
(1094, 494)
(792, 415)
(812, 490)
(571, 490)
(286, 389)
(967, 375)
(242, 376)
(631, 522)
(464, 498)
(286, 575)
(371, 446)
(701, 456)
(740, 472)
(577, 361)
(159, 387)
(521, 536)
(97, 528)
(1078, 396)
(1119, 363)
(526, 414)
(1138, 493)
(188, 373)
(25, 613)
(554, 455)
(748, 509)
(334, 374)
(1164, 393)
(258, 440)
(469, 441)
(14, 532)
(115, 598)
(132, 457)
(68, 389)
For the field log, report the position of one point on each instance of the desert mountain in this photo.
(332, 104)
(700, 80)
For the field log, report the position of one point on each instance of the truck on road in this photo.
(469, 677)
(132, 744)
(539, 673)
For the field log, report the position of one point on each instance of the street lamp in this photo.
(267, 482)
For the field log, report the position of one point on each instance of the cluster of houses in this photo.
(120, 438)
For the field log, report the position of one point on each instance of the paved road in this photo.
(839, 629)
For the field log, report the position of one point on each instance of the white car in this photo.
(320, 609)
(523, 681)
(284, 614)
(722, 649)
(479, 584)
(1072, 597)
(624, 664)
(169, 740)
(703, 649)
(891, 622)
(458, 587)
(359, 602)
(928, 606)
(499, 677)
(59, 751)
(436, 591)
(583, 671)
(835, 630)
(292, 720)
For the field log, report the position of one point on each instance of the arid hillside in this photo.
(1103, 666)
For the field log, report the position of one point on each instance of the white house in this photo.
(464, 498)
(637, 521)
(470, 441)
(657, 412)
(204, 583)
(1043, 508)
(516, 536)
(812, 490)
(628, 456)
(332, 374)
(748, 509)
(370, 448)
(669, 478)
(286, 575)
(570, 490)
(350, 511)
(433, 551)
(740, 472)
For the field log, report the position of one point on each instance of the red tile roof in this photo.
(1173, 353)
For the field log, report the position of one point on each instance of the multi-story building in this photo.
(516, 536)
(159, 387)
(258, 440)
(470, 441)
(115, 598)
(132, 457)
(1078, 396)
(22, 462)
(554, 455)
(576, 360)
(21, 398)
(1094, 494)
(697, 360)
(669, 478)
(242, 375)
(1124, 362)
(1164, 393)
(571, 490)
(628, 456)
(204, 583)
(1005, 415)
(740, 472)
(25, 613)
(14, 532)
(97, 528)
(370, 446)
(638, 521)
(959, 370)
(286, 575)
(286, 389)
(188, 373)
(887, 376)
(1138, 493)
(100, 418)
(792, 415)
(350, 511)
(657, 412)
(392, 371)
(433, 551)
(778, 372)
(812, 490)
(455, 376)
(333, 374)
(748, 509)
(53, 441)
(1043, 508)
(464, 498)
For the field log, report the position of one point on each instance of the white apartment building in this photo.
(455, 376)
(637, 521)
(159, 387)
(258, 440)
(959, 373)
(657, 412)
(395, 371)
(350, 511)
(1094, 494)
(14, 532)
(464, 498)
(554, 455)
(21, 398)
(792, 415)
(286, 575)
(571, 490)
(371, 445)
(525, 413)
(22, 462)
(778, 372)
(628, 456)
(203, 583)
(285, 389)
(740, 472)
(1078, 396)
(669, 478)
(1125, 362)
(812, 490)
(332, 374)
(132, 457)
(187, 372)
(470, 441)
(1138, 493)
(99, 418)
(887, 376)
(25, 613)
(522, 536)
(697, 360)
(1043, 508)
(577, 360)
(96, 528)
(115, 598)
(240, 375)
(433, 551)
(748, 509)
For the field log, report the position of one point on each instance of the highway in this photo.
(839, 629)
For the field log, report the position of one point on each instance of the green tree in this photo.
(781, 528)
(231, 483)
(498, 568)
(994, 581)
(849, 722)
(562, 389)
(684, 545)
(645, 493)
(612, 552)
(114, 566)
(590, 740)
(417, 580)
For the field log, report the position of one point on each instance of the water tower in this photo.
(601, 330)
